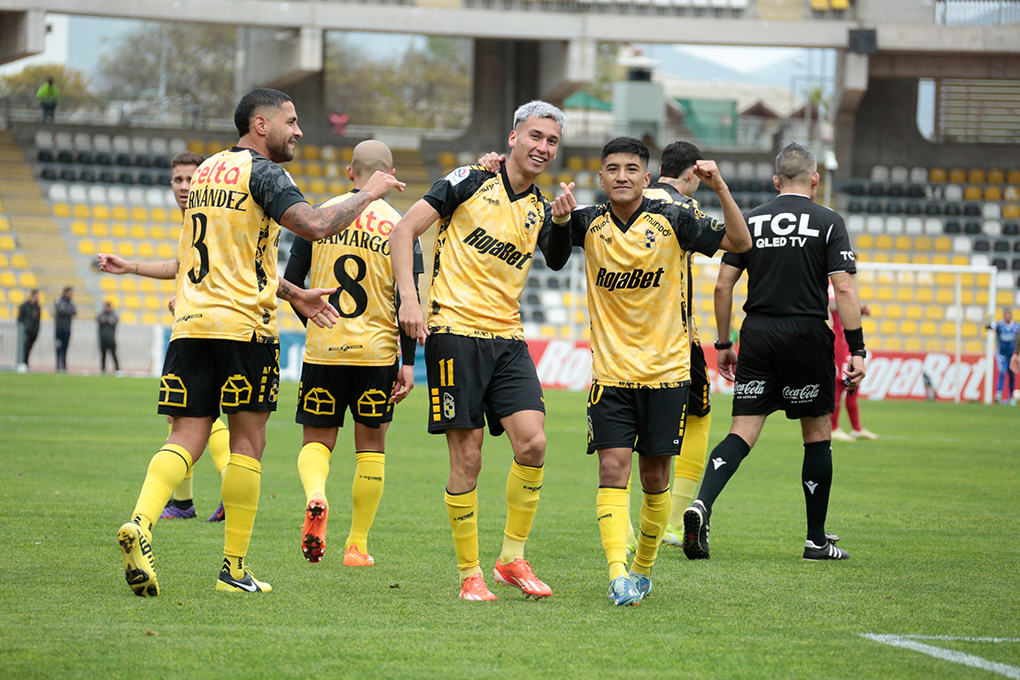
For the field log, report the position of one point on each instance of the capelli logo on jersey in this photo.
(637, 278)
(751, 388)
(344, 348)
(800, 395)
(480, 240)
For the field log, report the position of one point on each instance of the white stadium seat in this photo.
(855, 224)
(899, 174)
(933, 226)
(44, 139)
(116, 195)
(136, 196)
(953, 192)
(764, 170)
(155, 197)
(177, 145)
(991, 211)
(913, 226)
(919, 175)
(63, 140)
(962, 244)
(979, 260)
(101, 143)
(76, 193)
(880, 173)
(894, 225)
(992, 228)
(82, 141)
(158, 146)
(58, 192)
(121, 144)
(140, 145)
(875, 224)
(97, 194)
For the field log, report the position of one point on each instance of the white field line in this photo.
(910, 642)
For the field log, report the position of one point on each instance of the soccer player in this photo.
(1005, 346)
(224, 350)
(678, 181)
(182, 504)
(354, 365)
(636, 252)
(842, 353)
(786, 346)
(478, 363)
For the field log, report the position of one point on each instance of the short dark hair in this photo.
(626, 145)
(678, 158)
(187, 158)
(262, 97)
(795, 162)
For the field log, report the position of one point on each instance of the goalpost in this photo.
(907, 275)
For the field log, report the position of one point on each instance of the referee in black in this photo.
(786, 351)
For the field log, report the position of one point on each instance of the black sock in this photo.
(816, 476)
(184, 505)
(723, 462)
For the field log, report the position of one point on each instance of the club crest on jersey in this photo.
(649, 239)
(457, 176)
(532, 220)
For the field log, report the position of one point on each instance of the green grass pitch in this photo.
(930, 515)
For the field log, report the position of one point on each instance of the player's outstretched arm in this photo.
(318, 223)
(405, 383)
(115, 264)
(412, 225)
(727, 358)
(737, 238)
(311, 303)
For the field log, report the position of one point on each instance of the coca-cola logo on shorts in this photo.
(800, 395)
(751, 388)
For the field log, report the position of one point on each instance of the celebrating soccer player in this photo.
(636, 254)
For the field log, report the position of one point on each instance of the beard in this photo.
(279, 150)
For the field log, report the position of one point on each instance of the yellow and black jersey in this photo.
(484, 247)
(357, 263)
(667, 192)
(227, 281)
(637, 289)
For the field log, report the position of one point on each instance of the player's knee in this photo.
(532, 450)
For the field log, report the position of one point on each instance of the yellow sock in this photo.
(240, 491)
(219, 446)
(631, 538)
(369, 477)
(185, 491)
(462, 509)
(611, 511)
(313, 468)
(166, 470)
(654, 515)
(523, 485)
(689, 465)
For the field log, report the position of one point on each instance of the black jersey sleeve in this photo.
(839, 254)
(456, 187)
(298, 265)
(419, 260)
(272, 187)
(696, 231)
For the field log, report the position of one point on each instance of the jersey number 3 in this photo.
(348, 284)
(198, 221)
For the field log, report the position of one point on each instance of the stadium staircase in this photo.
(36, 232)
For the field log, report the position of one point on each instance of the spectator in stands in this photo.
(64, 312)
(48, 96)
(28, 319)
(107, 320)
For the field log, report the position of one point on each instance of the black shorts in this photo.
(699, 401)
(327, 391)
(472, 380)
(785, 364)
(649, 421)
(202, 375)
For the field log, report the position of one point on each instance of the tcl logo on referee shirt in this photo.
(782, 227)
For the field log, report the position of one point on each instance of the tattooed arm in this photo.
(318, 223)
(311, 303)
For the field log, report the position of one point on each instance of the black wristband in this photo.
(854, 340)
(723, 345)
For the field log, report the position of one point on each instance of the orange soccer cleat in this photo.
(313, 533)
(519, 575)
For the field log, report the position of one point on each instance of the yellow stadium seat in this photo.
(101, 212)
(929, 329)
(982, 297)
(302, 185)
(972, 193)
(126, 249)
(969, 330)
(993, 193)
(575, 164)
(167, 286)
(967, 279)
(865, 292)
(119, 212)
(310, 152)
(28, 280)
(914, 312)
(1013, 177)
(904, 294)
(7, 243)
(139, 214)
(947, 329)
(100, 229)
(146, 250)
(196, 146)
(940, 259)
(19, 261)
(165, 251)
(944, 296)
(920, 258)
(706, 305)
(17, 296)
(317, 186)
(137, 231)
(158, 215)
(128, 318)
(132, 302)
(215, 146)
(107, 284)
(1004, 297)
(157, 233)
(346, 154)
(166, 318)
(79, 228)
(943, 244)
(174, 233)
(887, 327)
(3, 296)
(152, 302)
(901, 258)
(5, 313)
(865, 242)
(904, 243)
(820, 5)
(957, 176)
(545, 179)
(893, 312)
(4, 224)
(448, 159)
(982, 280)
(3, 260)
(8, 280)
(937, 175)
(877, 310)
(147, 285)
(61, 210)
(882, 257)
(106, 246)
(912, 345)
(80, 210)
(150, 318)
(996, 176)
(128, 284)
(313, 169)
(933, 345)
(976, 176)
(87, 246)
(118, 230)
(934, 313)
(1011, 211)
(564, 178)
(924, 294)
(594, 164)
(908, 327)
(973, 347)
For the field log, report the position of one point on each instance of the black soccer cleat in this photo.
(696, 532)
(829, 551)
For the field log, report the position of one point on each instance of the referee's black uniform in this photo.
(786, 352)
